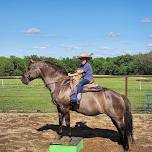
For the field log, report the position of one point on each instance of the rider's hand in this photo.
(69, 74)
(79, 71)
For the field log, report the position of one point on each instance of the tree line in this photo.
(139, 64)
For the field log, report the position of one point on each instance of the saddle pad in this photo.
(92, 89)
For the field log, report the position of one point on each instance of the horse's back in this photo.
(105, 101)
(92, 103)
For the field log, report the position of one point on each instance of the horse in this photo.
(106, 101)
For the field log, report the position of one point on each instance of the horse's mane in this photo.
(58, 68)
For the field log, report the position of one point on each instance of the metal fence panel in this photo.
(14, 96)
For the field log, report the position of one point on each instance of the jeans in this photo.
(81, 84)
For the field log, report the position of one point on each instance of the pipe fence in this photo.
(35, 97)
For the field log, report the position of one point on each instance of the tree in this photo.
(98, 65)
(6, 67)
(120, 65)
(19, 65)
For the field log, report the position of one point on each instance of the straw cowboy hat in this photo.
(85, 55)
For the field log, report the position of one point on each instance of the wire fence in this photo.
(14, 96)
(137, 88)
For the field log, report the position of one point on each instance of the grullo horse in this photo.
(106, 101)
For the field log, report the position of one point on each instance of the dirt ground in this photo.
(34, 132)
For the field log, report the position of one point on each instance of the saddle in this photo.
(91, 87)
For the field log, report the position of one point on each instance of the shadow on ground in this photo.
(82, 130)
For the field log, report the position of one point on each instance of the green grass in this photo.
(136, 96)
(16, 97)
(25, 98)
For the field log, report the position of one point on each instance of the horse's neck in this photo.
(51, 80)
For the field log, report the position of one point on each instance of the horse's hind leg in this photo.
(125, 138)
(119, 130)
(122, 133)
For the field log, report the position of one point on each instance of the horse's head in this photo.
(33, 72)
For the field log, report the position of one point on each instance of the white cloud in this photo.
(41, 47)
(104, 48)
(32, 31)
(150, 36)
(149, 45)
(38, 32)
(53, 36)
(69, 47)
(113, 34)
(147, 20)
(104, 51)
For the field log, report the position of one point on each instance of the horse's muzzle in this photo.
(25, 80)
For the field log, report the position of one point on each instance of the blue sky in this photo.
(65, 28)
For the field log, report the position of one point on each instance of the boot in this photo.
(78, 97)
(74, 98)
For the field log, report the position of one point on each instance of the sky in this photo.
(65, 28)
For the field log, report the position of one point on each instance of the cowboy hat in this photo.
(85, 55)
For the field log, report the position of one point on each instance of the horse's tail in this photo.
(128, 119)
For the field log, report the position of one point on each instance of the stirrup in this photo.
(79, 97)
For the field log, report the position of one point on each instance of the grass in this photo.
(16, 97)
(25, 98)
(136, 95)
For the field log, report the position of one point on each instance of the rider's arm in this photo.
(78, 72)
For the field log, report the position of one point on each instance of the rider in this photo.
(87, 76)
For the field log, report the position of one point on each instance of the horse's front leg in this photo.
(67, 121)
(61, 116)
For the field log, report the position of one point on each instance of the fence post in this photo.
(126, 86)
(140, 84)
(2, 83)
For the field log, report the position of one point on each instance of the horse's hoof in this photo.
(66, 139)
(58, 137)
(126, 148)
(132, 141)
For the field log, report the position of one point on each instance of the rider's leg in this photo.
(79, 90)
(81, 84)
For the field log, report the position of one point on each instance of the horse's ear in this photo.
(31, 61)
